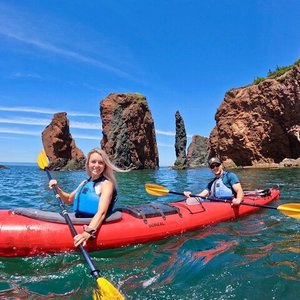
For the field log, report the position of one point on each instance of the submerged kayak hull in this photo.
(22, 235)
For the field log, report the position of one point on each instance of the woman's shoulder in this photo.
(104, 181)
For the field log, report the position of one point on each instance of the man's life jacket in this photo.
(222, 187)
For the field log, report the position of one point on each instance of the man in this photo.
(225, 185)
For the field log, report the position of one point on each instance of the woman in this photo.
(94, 197)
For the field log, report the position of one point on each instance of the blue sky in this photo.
(63, 55)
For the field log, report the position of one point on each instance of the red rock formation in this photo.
(59, 145)
(128, 131)
(259, 123)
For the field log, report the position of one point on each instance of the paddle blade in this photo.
(156, 190)
(42, 160)
(106, 291)
(290, 209)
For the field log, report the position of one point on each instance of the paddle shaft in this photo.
(64, 212)
(227, 201)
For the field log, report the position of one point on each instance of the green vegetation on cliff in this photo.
(276, 73)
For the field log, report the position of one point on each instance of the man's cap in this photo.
(214, 160)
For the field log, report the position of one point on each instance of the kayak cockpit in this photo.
(56, 217)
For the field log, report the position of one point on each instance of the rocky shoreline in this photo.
(286, 163)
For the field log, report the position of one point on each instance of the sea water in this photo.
(254, 257)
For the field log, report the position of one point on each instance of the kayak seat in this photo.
(56, 217)
(150, 210)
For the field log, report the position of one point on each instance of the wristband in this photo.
(90, 231)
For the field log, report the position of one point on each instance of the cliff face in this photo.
(180, 143)
(128, 131)
(197, 154)
(259, 123)
(59, 145)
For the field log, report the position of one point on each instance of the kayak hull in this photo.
(29, 236)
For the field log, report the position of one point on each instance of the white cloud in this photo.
(167, 133)
(85, 125)
(25, 121)
(45, 122)
(38, 133)
(20, 132)
(165, 145)
(170, 133)
(44, 111)
(24, 75)
(86, 137)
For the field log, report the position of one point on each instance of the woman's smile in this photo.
(96, 165)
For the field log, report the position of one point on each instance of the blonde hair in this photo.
(109, 169)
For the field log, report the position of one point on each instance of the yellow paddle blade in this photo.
(42, 160)
(156, 190)
(290, 209)
(106, 291)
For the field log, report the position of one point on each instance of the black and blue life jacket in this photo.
(86, 199)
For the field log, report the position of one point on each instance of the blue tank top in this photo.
(86, 199)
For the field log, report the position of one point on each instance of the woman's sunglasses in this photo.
(214, 165)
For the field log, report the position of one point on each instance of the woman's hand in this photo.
(81, 238)
(52, 183)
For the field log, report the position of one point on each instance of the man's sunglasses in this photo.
(214, 165)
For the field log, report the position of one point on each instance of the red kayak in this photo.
(29, 232)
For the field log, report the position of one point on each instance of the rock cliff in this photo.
(180, 143)
(59, 145)
(260, 123)
(128, 131)
(198, 151)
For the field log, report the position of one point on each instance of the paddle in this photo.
(105, 291)
(290, 209)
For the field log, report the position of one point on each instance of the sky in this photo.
(182, 55)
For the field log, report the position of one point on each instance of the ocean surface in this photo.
(255, 257)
